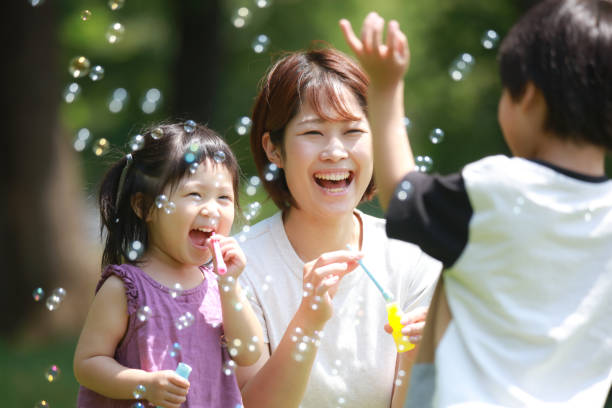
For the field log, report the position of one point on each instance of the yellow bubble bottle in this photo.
(394, 315)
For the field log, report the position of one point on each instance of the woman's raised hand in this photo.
(385, 63)
(320, 276)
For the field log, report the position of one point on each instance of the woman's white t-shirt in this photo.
(355, 364)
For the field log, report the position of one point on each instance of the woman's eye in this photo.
(226, 197)
(312, 132)
(355, 131)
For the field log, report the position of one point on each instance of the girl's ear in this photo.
(136, 203)
(272, 151)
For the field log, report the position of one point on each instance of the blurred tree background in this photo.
(177, 60)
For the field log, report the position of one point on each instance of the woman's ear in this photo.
(272, 151)
(136, 203)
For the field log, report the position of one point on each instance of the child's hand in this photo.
(232, 254)
(166, 389)
(412, 324)
(386, 63)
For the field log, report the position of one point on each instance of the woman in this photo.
(309, 122)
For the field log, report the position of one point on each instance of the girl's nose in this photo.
(334, 151)
(209, 211)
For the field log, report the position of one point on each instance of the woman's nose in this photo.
(335, 150)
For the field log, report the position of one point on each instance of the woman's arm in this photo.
(280, 380)
(95, 366)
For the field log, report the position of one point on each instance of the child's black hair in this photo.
(565, 48)
(163, 160)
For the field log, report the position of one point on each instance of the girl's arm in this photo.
(95, 366)
(280, 380)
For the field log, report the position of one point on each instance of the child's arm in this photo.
(386, 65)
(239, 321)
(94, 364)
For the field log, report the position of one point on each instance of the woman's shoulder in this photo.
(253, 237)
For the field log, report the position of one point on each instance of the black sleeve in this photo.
(433, 212)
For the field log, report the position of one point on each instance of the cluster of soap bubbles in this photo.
(185, 320)
(53, 301)
(237, 346)
(134, 250)
(151, 100)
(162, 203)
(252, 211)
(304, 344)
(461, 66)
(423, 163)
(243, 125)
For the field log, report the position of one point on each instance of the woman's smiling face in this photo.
(327, 163)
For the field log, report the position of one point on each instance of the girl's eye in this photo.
(195, 195)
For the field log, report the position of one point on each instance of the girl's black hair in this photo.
(163, 160)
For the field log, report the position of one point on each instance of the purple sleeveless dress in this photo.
(151, 344)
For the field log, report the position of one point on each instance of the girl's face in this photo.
(328, 164)
(204, 204)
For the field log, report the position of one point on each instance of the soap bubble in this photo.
(407, 123)
(96, 73)
(176, 290)
(252, 211)
(423, 163)
(169, 207)
(271, 172)
(85, 15)
(219, 156)
(189, 126)
(436, 136)
(461, 66)
(151, 100)
(489, 39)
(139, 392)
(135, 250)
(263, 3)
(100, 146)
(243, 125)
(59, 292)
(157, 133)
(118, 100)
(229, 367)
(82, 139)
(53, 302)
(193, 167)
(52, 373)
(175, 349)
(138, 404)
(38, 294)
(79, 67)
(115, 33)
(241, 17)
(184, 321)
(36, 3)
(71, 92)
(144, 313)
(137, 142)
(261, 43)
(160, 201)
(42, 404)
(115, 4)
(404, 190)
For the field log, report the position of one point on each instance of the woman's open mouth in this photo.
(334, 182)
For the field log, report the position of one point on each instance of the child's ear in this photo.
(136, 203)
(272, 151)
(533, 103)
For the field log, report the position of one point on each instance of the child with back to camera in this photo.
(523, 314)
(165, 307)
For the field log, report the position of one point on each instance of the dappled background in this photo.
(83, 77)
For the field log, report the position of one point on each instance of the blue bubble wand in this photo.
(393, 312)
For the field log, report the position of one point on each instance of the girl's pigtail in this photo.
(110, 199)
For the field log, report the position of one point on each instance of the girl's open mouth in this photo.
(199, 236)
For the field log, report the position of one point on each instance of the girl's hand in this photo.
(232, 254)
(412, 324)
(320, 276)
(385, 63)
(166, 389)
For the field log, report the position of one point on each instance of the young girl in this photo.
(165, 201)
